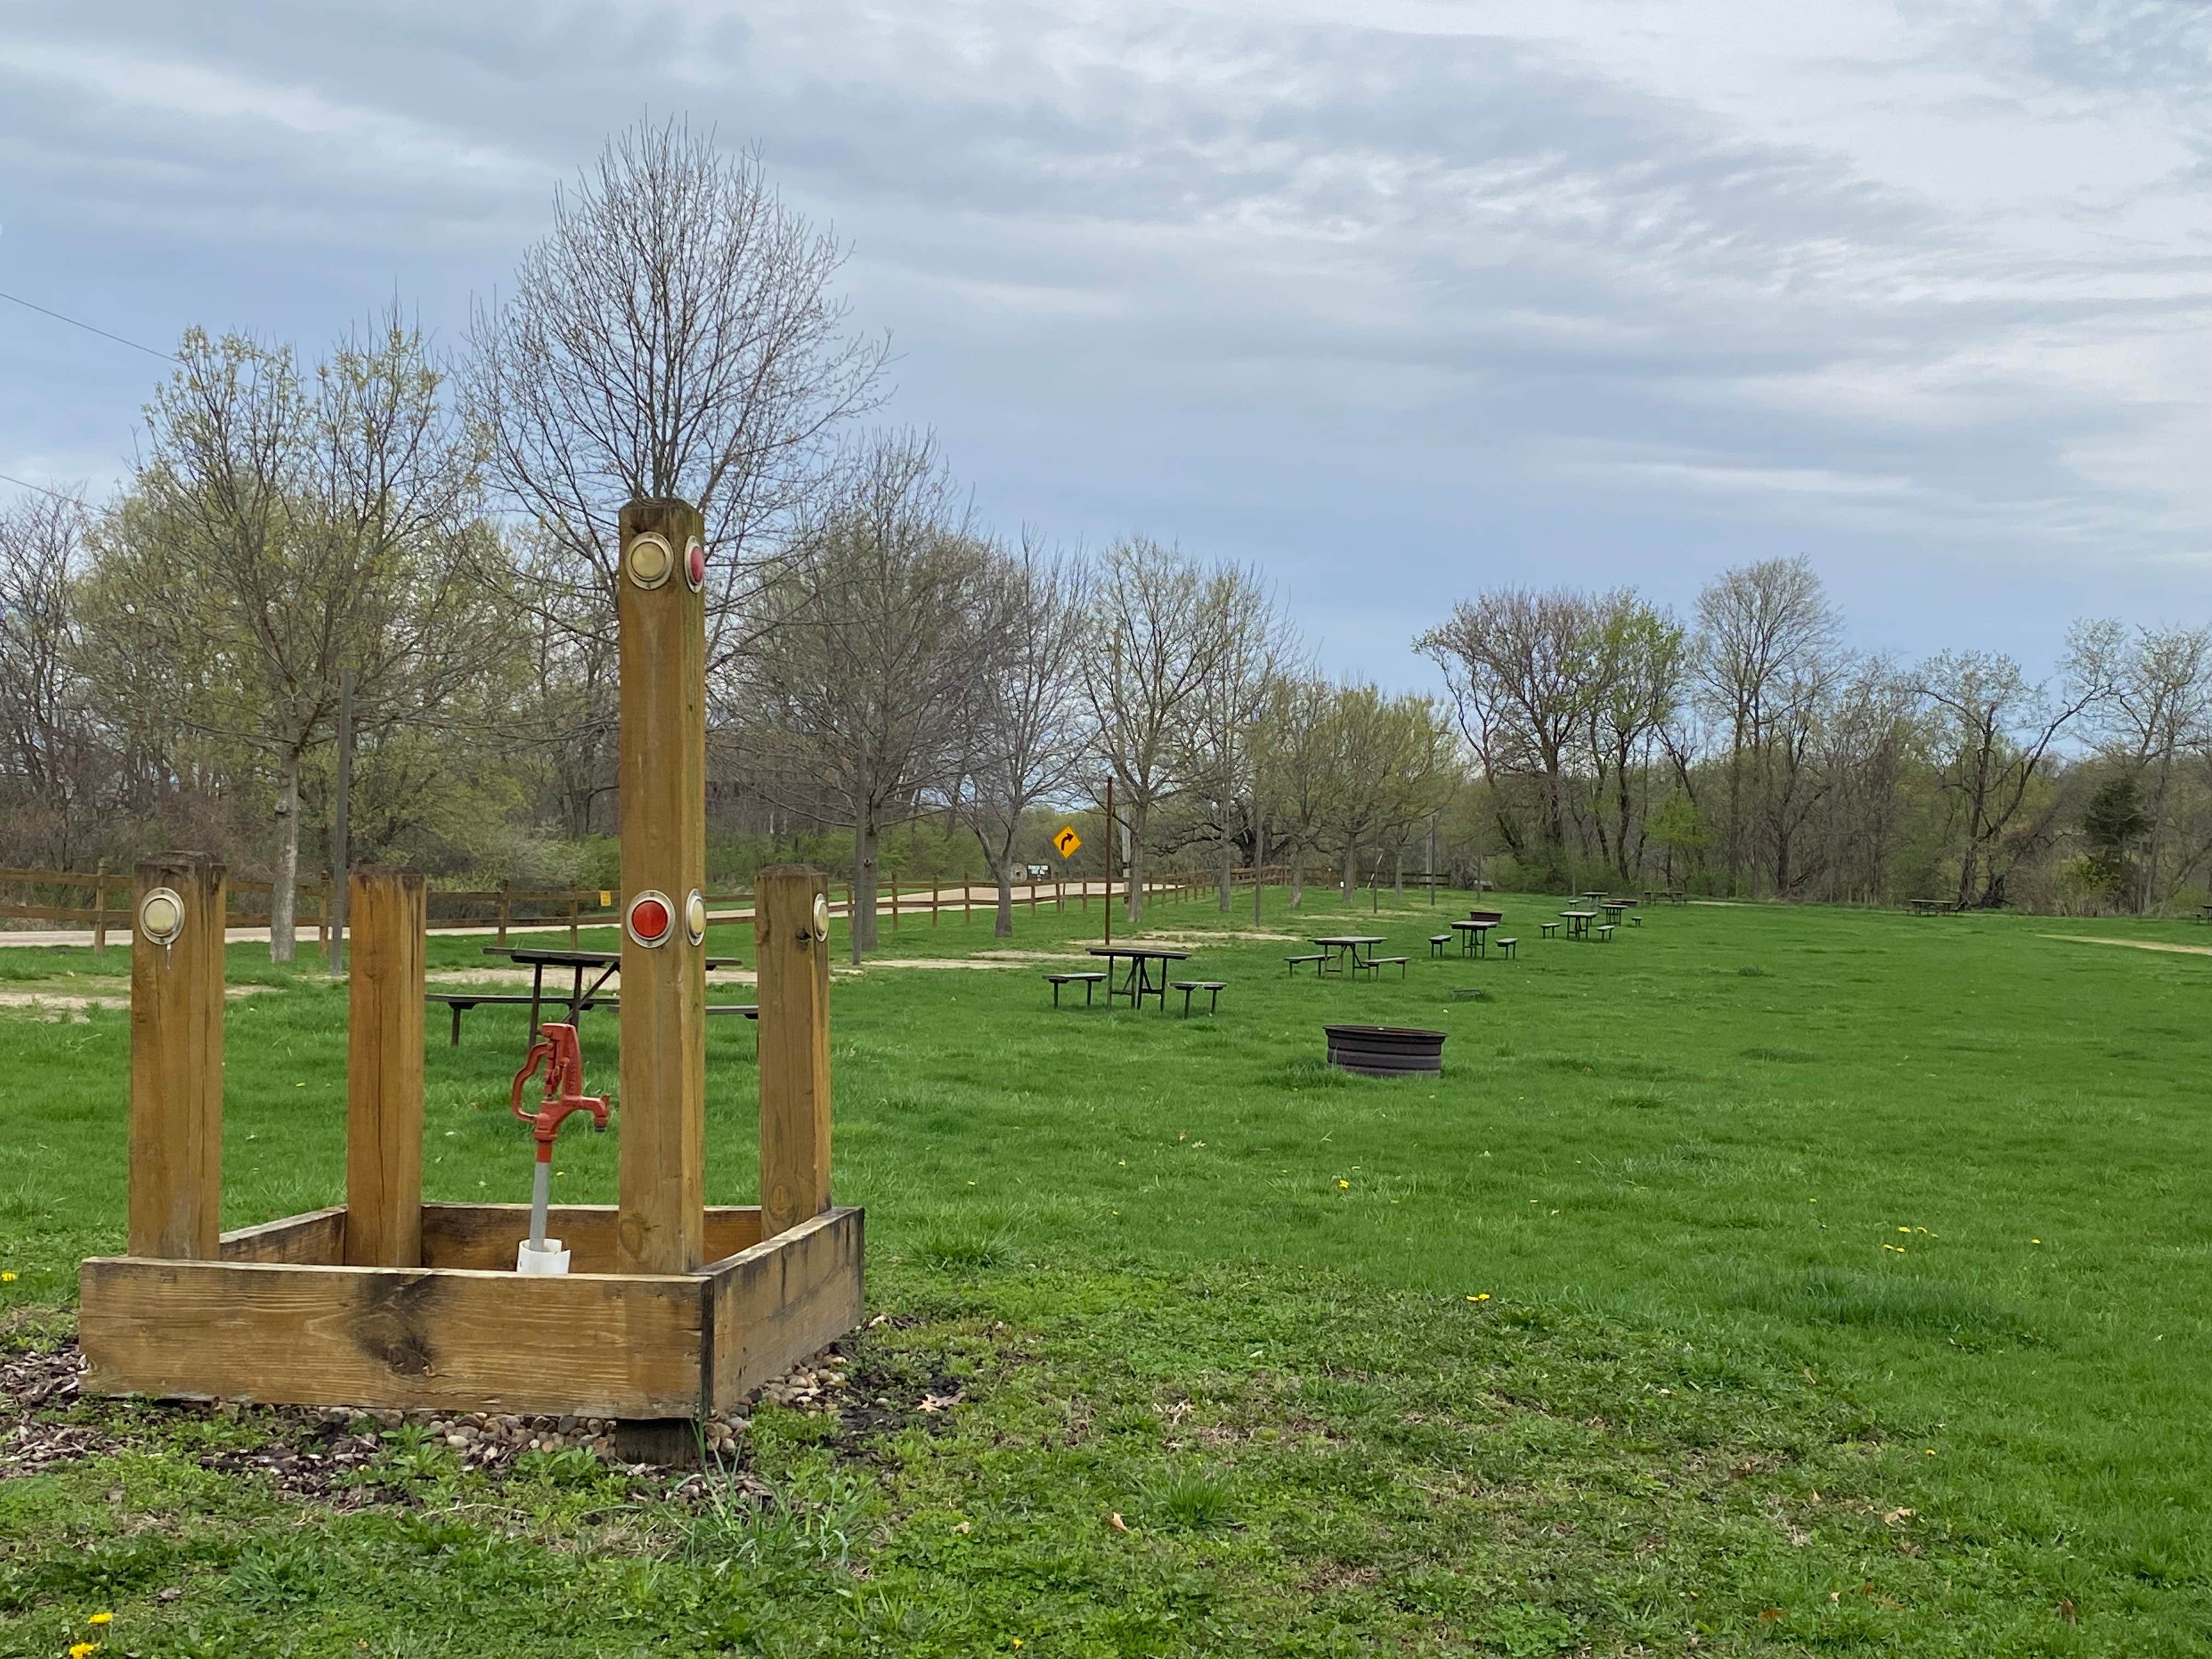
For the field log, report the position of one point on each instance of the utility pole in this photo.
(340, 828)
(1109, 862)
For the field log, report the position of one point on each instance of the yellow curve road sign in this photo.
(1066, 841)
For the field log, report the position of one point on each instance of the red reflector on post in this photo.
(649, 918)
(695, 566)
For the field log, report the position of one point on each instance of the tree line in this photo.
(426, 544)
(1746, 750)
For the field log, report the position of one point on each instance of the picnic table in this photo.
(1473, 935)
(1138, 983)
(1597, 897)
(1578, 922)
(1927, 906)
(1337, 949)
(608, 963)
(1615, 908)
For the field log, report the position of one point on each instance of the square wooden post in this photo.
(794, 959)
(662, 625)
(386, 911)
(176, 1058)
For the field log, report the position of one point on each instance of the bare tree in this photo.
(1997, 731)
(1389, 766)
(1158, 632)
(276, 535)
(1259, 647)
(47, 738)
(2159, 712)
(1765, 631)
(1522, 668)
(1026, 736)
(676, 334)
(1290, 766)
(869, 642)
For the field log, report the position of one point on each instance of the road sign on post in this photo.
(1066, 842)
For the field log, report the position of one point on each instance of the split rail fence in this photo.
(100, 900)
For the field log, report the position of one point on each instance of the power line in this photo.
(74, 500)
(87, 327)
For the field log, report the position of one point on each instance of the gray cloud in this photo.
(1395, 312)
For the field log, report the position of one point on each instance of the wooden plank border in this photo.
(769, 1307)
(594, 1344)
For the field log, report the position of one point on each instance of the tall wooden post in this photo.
(662, 623)
(794, 1046)
(386, 911)
(176, 1058)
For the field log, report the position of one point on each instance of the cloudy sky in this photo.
(1457, 296)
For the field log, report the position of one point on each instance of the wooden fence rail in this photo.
(508, 906)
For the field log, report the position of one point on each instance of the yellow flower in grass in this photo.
(79, 1650)
(1343, 1183)
(1485, 1297)
(99, 1619)
(7, 1279)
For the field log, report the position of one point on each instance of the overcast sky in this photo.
(1463, 294)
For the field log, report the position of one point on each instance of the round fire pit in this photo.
(1385, 1050)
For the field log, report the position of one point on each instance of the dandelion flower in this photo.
(1343, 1183)
(1905, 1230)
(7, 1279)
(1485, 1297)
(99, 1619)
(79, 1649)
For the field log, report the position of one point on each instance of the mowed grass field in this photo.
(1768, 1280)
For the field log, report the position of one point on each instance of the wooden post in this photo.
(99, 911)
(794, 1048)
(662, 627)
(387, 911)
(933, 886)
(572, 921)
(176, 1061)
(894, 905)
(322, 919)
(506, 906)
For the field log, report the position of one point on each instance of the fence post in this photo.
(1060, 898)
(894, 907)
(99, 911)
(322, 919)
(932, 903)
(384, 1070)
(792, 956)
(175, 1188)
(572, 921)
(505, 905)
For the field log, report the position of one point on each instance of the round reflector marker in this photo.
(821, 917)
(161, 916)
(694, 915)
(651, 916)
(651, 560)
(695, 566)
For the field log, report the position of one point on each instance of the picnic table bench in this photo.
(461, 1001)
(1375, 964)
(1213, 988)
(1087, 980)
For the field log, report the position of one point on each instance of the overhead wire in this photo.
(44, 311)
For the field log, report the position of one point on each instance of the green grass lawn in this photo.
(1842, 1278)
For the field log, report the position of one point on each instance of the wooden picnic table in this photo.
(1927, 906)
(1617, 907)
(1138, 983)
(1578, 922)
(1337, 948)
(609, 963)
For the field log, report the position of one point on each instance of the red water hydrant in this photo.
(564, 1094)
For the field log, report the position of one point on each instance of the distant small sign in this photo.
(605, 898)
(1066, 841)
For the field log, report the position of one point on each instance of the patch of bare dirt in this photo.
(2133, 943)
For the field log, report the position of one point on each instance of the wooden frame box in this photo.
(672, 1310)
